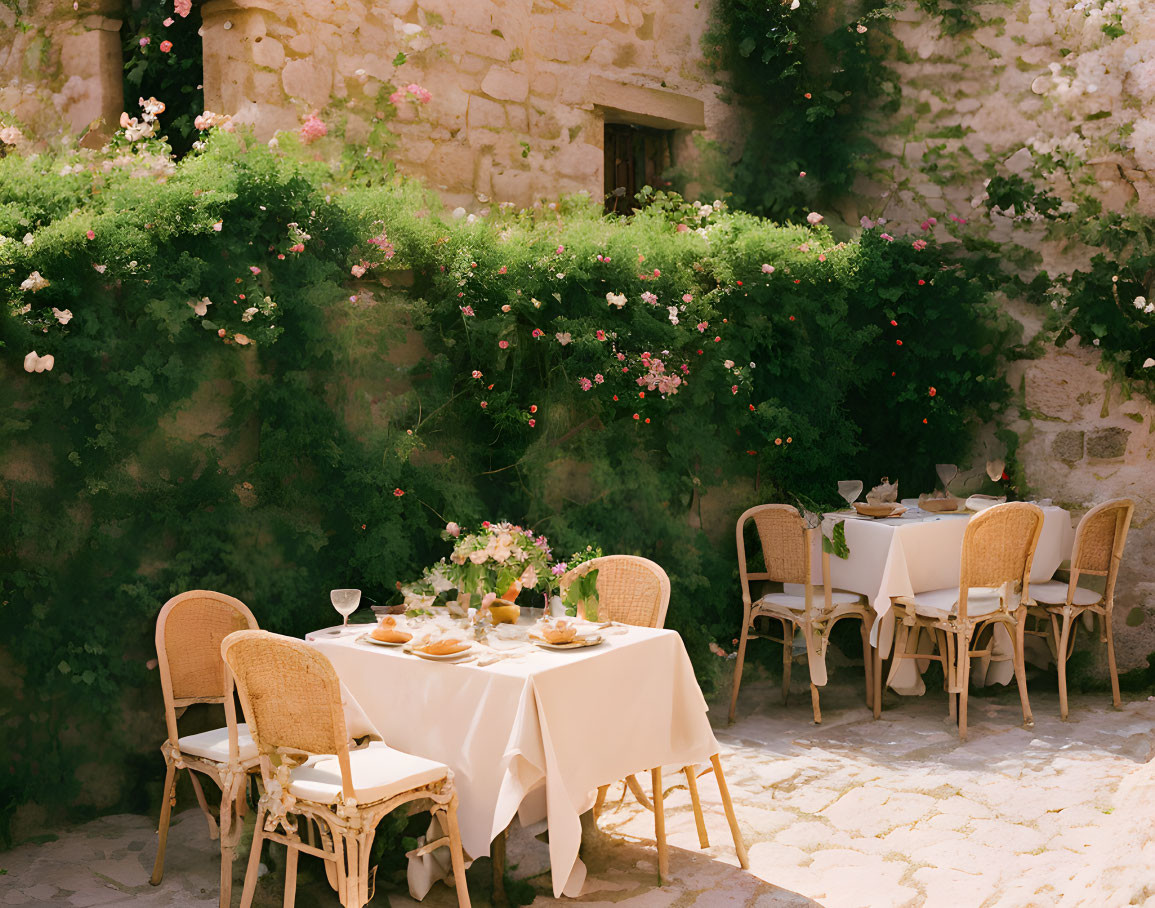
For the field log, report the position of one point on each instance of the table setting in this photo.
(506, 694)
(904, 546)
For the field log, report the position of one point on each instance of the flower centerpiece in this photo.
(488, 562)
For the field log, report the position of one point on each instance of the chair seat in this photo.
(378, 772)
(796, 602)
(214, 745)
(1054, 592)
(944, 603)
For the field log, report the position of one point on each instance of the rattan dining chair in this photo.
(634, 590)
(998, 548)
(292, 700)
(787, 544)
(189, 631)
(1099, 541)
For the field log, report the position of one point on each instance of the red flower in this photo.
(641, 394)
(739, 283)
(924, 420)
(921, 282)
(615, 397)
(893, 323)
(898, 342)
(636, 416)
(398, 492)
(533, 408)
(532, 423)
(933, 392)
(165, 46)
(647, 420)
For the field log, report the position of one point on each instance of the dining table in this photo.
(530, 732)
(916, 552)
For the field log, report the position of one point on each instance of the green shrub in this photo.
(269, 447)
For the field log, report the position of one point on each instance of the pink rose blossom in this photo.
(687, 298)
(733, 389)
(601, 335)
(298, 247)
(532, 423)
(599, 378)
(649, 298)
(484, 404)
(182, 7)
(312, 129)
(822, 257)
(683, 228)
(254, 269)
(957, 219)
(357, 271)
(91, 234)
(467, 310)
(887, 237)
(397, 493)
(537, 332)
(503, 344)
(585, 384)
(919, 245)
(144, 42)
(560, 250)
(767, 269)
(477, 373)
(169, 21)
(702, 326)
(621, 357)
(165, 46)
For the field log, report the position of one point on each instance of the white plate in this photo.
(579, 643)
(369, 638)
(443, 657)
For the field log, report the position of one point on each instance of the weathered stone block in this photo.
(1106, 444)
(307, 80)
(485, 114)
(1068, 446)
(268, 52)
(505, 84)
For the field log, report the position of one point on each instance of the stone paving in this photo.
(852, 813)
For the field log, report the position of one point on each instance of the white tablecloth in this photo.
(564, 721)
(901, 556)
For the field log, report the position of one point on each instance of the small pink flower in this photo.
(297, 247)
(585, 384)
(767, 269)
(144, 42)
(599, 378)
(532, 423)
(218, 225)
(484, 404)
(919, 245)
(313, 128)
(169, 21)
(182, 7)
(477, 373)
(357, 271)
(165, 46)
(560, 250)
(957, 219)
(503, 344)
(802, 173)
(702, 326)
(281, 256)
(397, 493)
(601, 335)
(501, 270)
(683, 228)
(887, 237)
(649, 298)
(254, 269)
(422, 95)
(467, 310)
(657, 273)
(733, 389)
(687, 298)
(91, 234)
(805, 247)
(822, 257)
(537, 332)
(621, 357)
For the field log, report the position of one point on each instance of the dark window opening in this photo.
(636, 156)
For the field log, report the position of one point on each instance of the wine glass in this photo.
(850, 489)
(947, 472)
(345, 602)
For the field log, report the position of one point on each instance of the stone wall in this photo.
(520, 88)
(1038, 77)
(61, 65)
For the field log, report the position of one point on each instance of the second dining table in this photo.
(918, 552)
(534, 735)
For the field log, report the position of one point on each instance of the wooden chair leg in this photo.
(788, 630)
(636, 790)
(1116, 700)
(950, 670)
(868, 662)
(695, 801)
(498, 860)
(814, 703)
(660, 826)
(214, 831)
(1061, 662)
(963, 646)
(601, 800)
(878, 685)
(250, 886)
(1021, 664)
(739, 663)
(455, 856)
(728, 806)
(166, 806)
(291, 877)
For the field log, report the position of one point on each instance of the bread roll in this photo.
(390, 634)
(444, 647)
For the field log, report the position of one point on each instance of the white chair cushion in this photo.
(941, 603)
(214, 745)
(379, 772)
(796, 602)
(1054, 592)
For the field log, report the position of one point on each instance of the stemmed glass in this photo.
(345, 602)
(850, 489)
(947, 472)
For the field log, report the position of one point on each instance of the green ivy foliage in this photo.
(808, 77)
(274, 445)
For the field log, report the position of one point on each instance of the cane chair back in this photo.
(998, 548)
(631, 589)
(785, 544)
(289, 692)
(1099, 541)
(189, 631)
